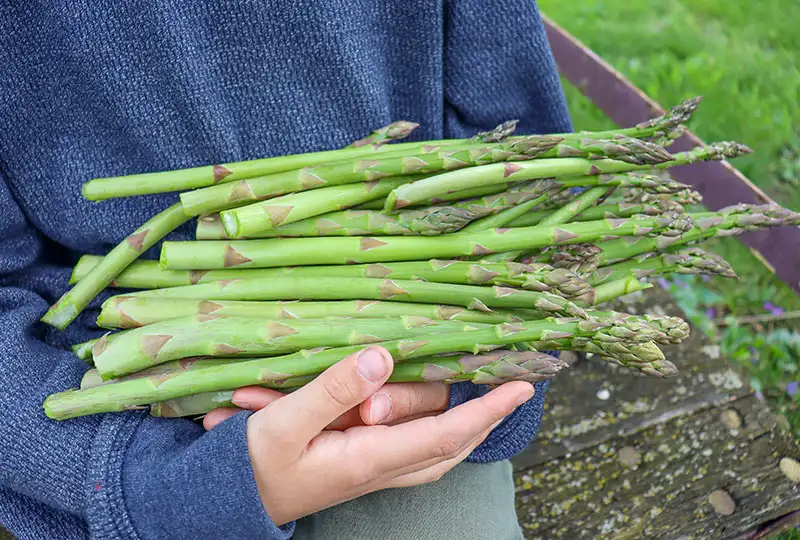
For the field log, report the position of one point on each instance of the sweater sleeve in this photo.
(509, 73)
(110, 476)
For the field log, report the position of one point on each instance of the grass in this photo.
(744, 59)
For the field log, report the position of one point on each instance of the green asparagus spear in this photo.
(729, 221)
(392, 132)
(349, 250)
(489, 368)
(134, 311)
(615, 210)
(143, 391)
(210, 335)
(543, 168)
(198, 177)
(64, 311)
(686, 261)
(346, 288)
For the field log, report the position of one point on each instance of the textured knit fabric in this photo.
(92, 88)
(474, 501)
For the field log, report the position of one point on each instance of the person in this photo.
(102, 88)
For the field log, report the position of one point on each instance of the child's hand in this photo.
(301, 468)
(392, 404)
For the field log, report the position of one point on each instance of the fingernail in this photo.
(241, 403)
(525, 396)
(379, 407)
(372, 365)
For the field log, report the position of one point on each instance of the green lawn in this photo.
(744, 58)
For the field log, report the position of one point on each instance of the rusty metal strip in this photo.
(718, 182)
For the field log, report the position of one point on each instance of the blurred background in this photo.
(744, 58)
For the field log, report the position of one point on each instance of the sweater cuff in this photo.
(514, 433)
(163, 479)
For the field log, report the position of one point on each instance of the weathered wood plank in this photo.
(591, 494)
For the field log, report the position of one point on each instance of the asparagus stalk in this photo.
(729, 221)
(199, 177)
(134, 311)
(392, 132)
(64, 311)
(686, 261)
(298, 206)
(143, 391)
(496, 367)
(210, 335)
(431, 220)
(349, 250)
(430, 159)
(346, 288)
(540, 277)
(615, 210)
(544, 168)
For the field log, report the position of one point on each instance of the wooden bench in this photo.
(623, 456)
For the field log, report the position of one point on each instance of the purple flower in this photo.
(759, 395)
(772, 308)
(711, 313)
(753, 355)
(791, 388)
(663, 282)
(705, 278)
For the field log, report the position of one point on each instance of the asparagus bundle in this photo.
(301, 260)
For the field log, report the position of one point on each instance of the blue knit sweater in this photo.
(92, 88)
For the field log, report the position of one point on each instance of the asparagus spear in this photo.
(544, 168)
(686, 261)
(426, 221)
(539, 277)
(134, 311)
(615, 210)
(394, 131)
(210, 335)
(143, 391)
(298, 206)
(93, 378)
(490, 368)
(64, 311)
(729, 221)
(198, 177)
(349, 250)
(345, 288)
(430, 159)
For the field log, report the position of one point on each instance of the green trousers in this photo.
(474, 501)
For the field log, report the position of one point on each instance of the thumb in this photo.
(303, 414)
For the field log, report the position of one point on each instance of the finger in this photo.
(444, 436)
(255, 398)
(434, 471)
(298, 417)
(216, 416)
(395, 402)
